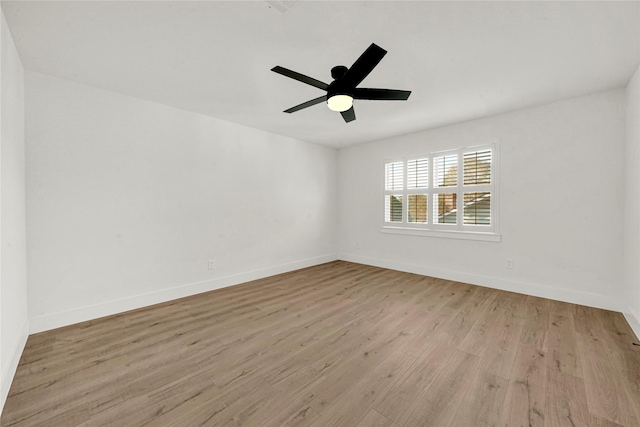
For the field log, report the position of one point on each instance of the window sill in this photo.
(447, 234)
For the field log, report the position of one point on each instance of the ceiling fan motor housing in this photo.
(337, 87)
(338, 71)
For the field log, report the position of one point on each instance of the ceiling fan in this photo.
(343, 90)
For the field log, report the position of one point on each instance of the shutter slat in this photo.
(393, 208)
(477, 208)
(394, 176)
(446, 170)
(445, 208)
(417, 208)
(417, 173)
(477, 167)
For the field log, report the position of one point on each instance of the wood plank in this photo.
(353, 405)
(295, 414)
(608, 392)
(354, 369)
(482, 403)
(525, 398)
(536, 325)
(411, 387)
(619, 341)
(432, 326)
(566, 402)
(375, 419)
(561, 315)
(586, 320)
(440, 405)
(562, 351)
(599, 422)
(499, 354)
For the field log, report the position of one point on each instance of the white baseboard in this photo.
(538, 290)
(81, 314)
(10, 370)
(634, 322)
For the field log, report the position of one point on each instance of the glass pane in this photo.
(477, 208)
(417, 208)
(444, 208)
(393, 208)
(393, 176)
(446, 170)
(418, 173)
(477, 167)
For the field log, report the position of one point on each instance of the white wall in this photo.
(14, 319)
(128, 199)
(632, 206)
(561, 175)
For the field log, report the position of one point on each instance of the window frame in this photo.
(458, 230)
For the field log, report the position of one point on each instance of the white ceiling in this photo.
(462, 60)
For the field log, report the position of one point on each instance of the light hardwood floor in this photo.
(339, 344)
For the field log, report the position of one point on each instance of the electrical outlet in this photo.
(212, 264)
(509, 263)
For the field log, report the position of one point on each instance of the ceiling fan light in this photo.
(340, 103)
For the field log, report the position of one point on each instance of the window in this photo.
(450, 193)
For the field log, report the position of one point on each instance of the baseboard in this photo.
(56, 320)
(539, 290)
(9, 372)
(81, 314)
(634, 322)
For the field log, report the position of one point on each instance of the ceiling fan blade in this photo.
(349, 115)
(381, 94)
(318, 100)
(363, 65)
(300, 77)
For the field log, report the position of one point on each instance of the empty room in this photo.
(319, 213)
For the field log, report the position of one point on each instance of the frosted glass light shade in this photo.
(340, 102)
